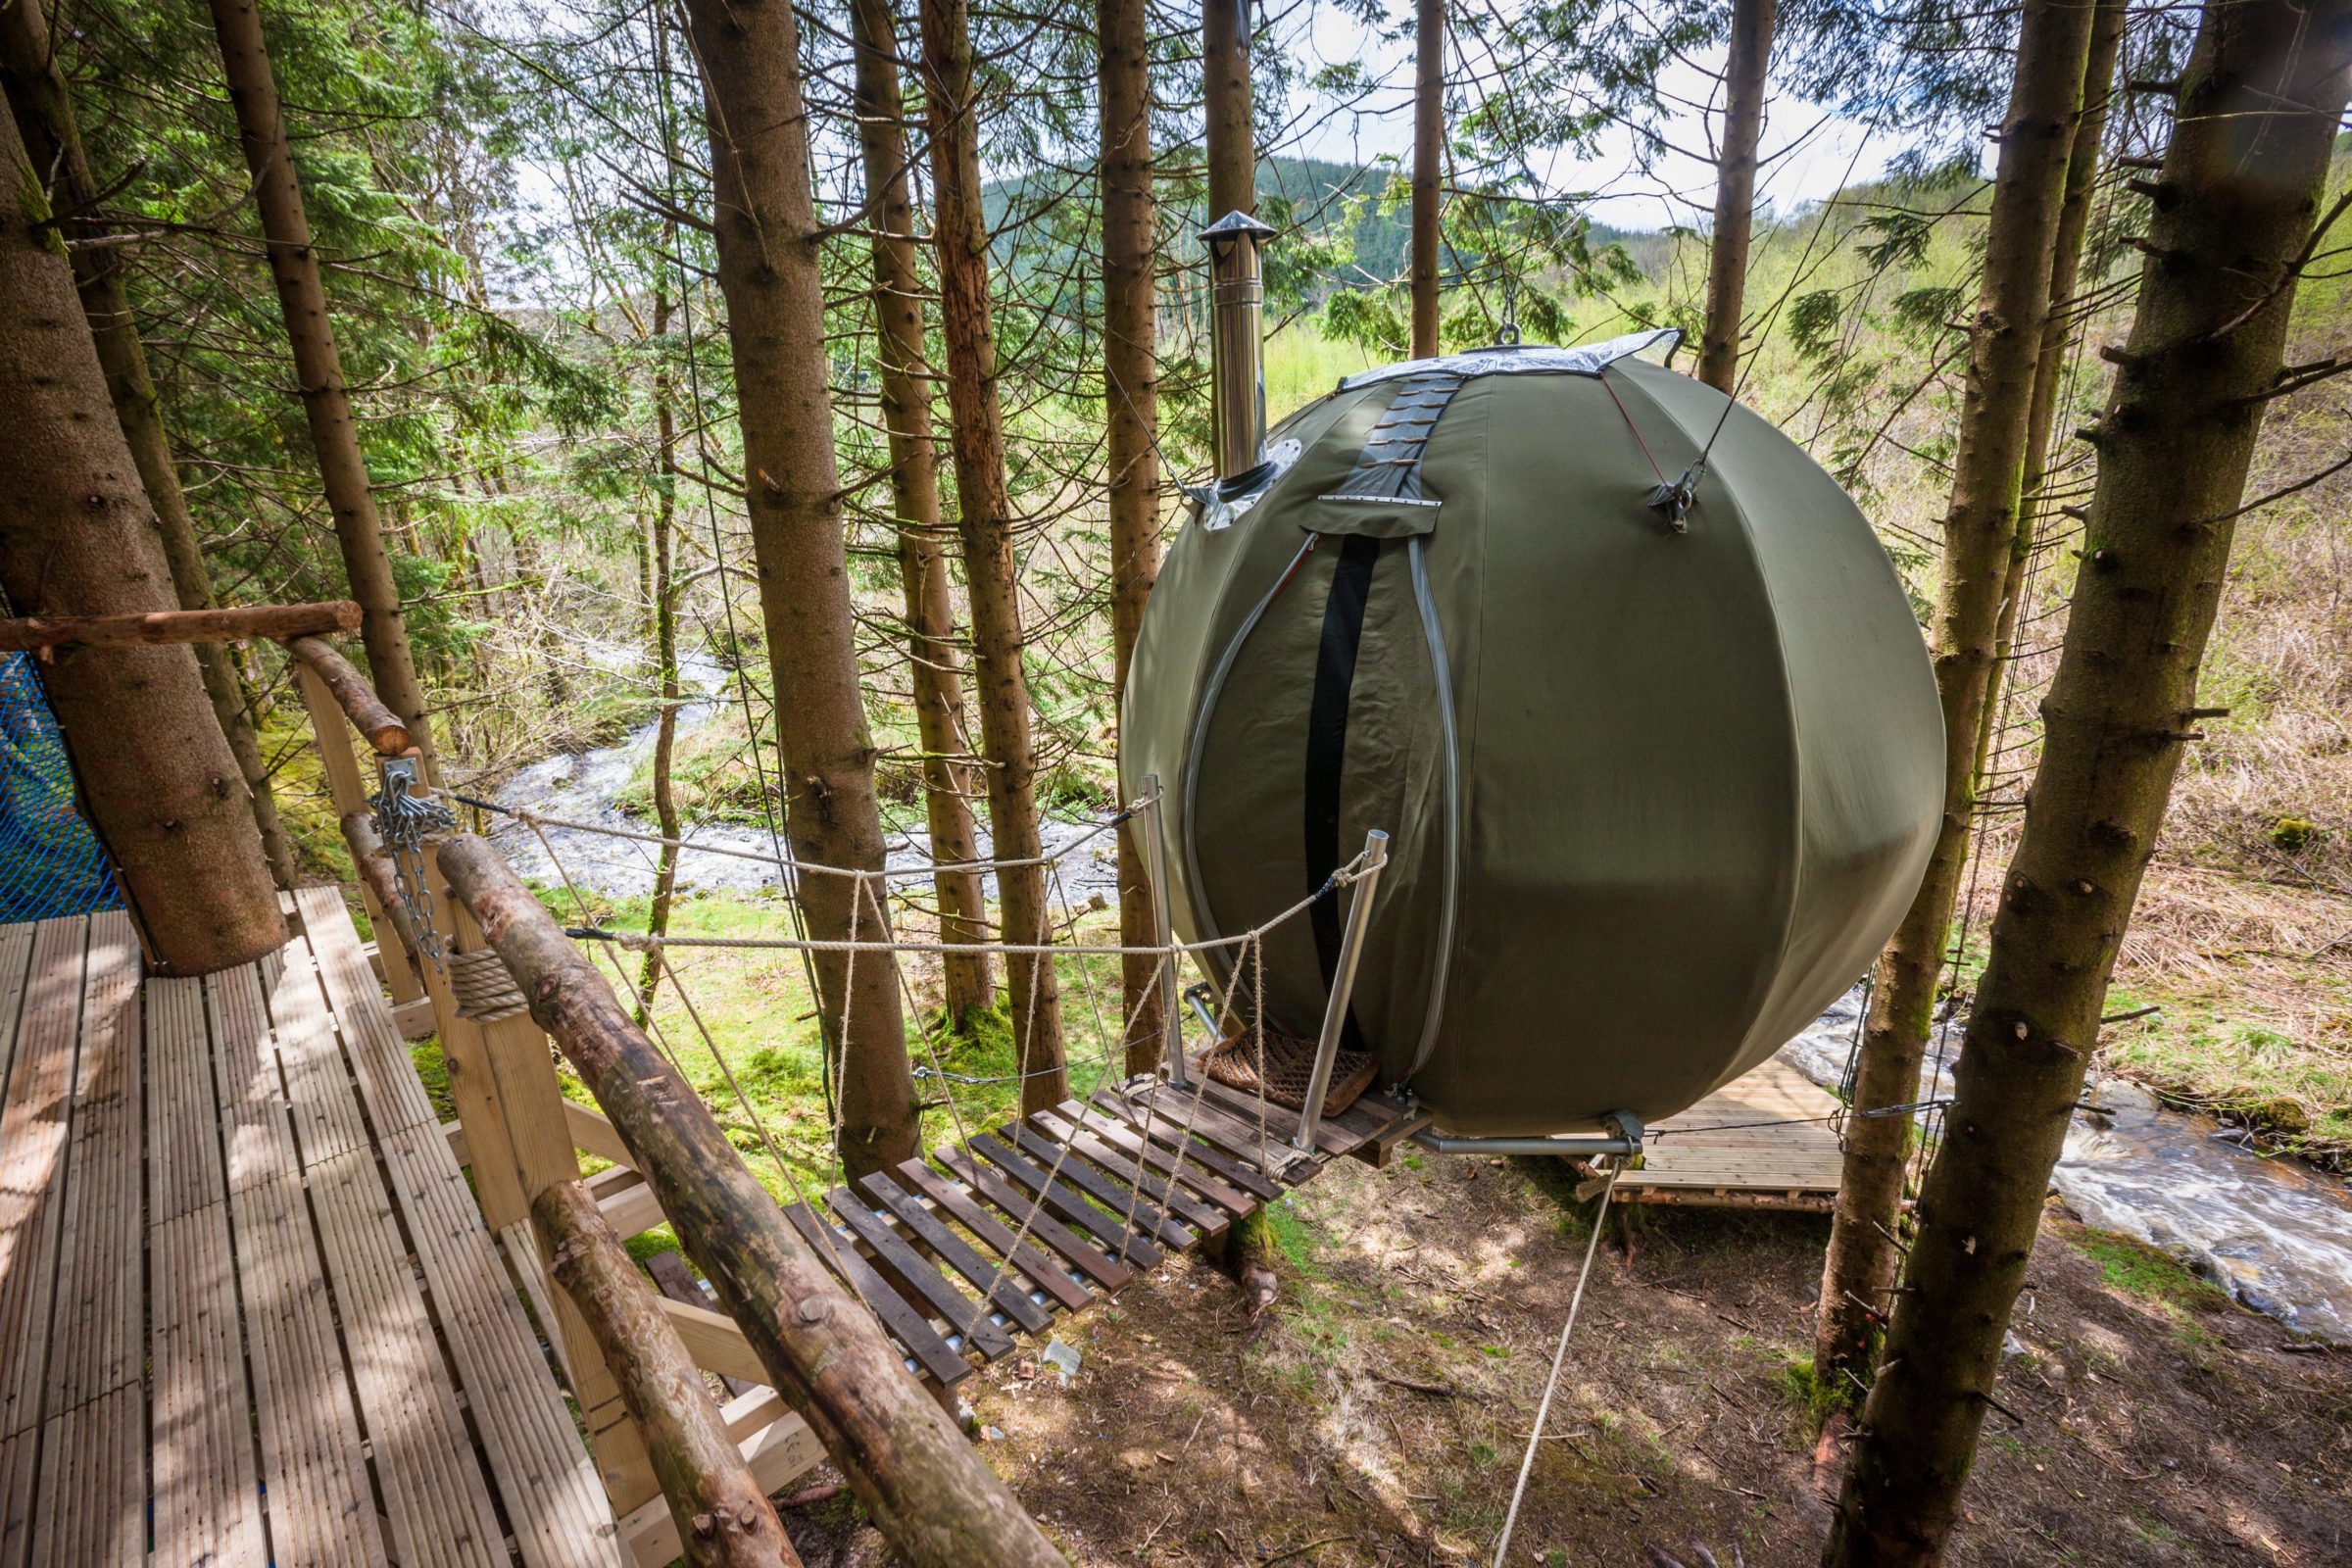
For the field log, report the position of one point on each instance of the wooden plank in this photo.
(915, 1278)
(314, 1472)
(1272, 1159)
(714, 1342)
(379, 1057)
(778, 1447)
(98, 1322)
(35, 1126)
(1117, 1197)
(548, 1481)
(15, 974)
(207, 1507)
(1047, 1274)
(676, 1279)
(91, 1510)
(1066, 1204)
(256, 1135)
(1331, 1137)
(17, 1456)
(1001, 1285)
(434, 1492)
(1039, 1221)
(328, 1124)
(910, 1328)
(1171, 1130)
(1110, 1144)
(593, 1133)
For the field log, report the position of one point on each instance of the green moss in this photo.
(2138, 1270)
(653, 1243)
(1803, 1387)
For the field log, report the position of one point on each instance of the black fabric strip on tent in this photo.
(1327, 744)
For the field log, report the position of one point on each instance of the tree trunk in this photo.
(2233, 209)
(1743, 93)
(724, 1520)
(991, 571)
(660, 553)
(1131, 419)
(937, 683)
(766, 235)
(386, 735)
(1429, 141)
(2050, 370)
(44, 114)
(2029, 189)
(318, 365)
(78, 536)
(1225, 82)
(927, 1489)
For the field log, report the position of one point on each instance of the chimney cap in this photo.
(1236, 224)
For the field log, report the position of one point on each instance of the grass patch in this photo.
(2295, 1094)
(433, 1070)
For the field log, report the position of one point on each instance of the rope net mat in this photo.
(1282, 1069)
(51, 863)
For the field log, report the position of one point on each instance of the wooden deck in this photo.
(1763, 1142)
(247, 1304)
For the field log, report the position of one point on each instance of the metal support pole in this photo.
(1343, 984)
(1155, 856)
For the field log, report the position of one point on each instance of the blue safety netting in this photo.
(50, 862)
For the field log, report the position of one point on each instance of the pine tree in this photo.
(766, 224)
(2005, 342)
(78, 537)
(1744, 80)
(936, 677)
(990, 570)
(2230, 232)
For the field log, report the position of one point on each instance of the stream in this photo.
(2274, 1231)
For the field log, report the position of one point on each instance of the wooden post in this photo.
(724, 1517)
(349, 789)
(938, 1504)
(385, 730)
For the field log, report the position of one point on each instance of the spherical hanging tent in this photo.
(1655, 739)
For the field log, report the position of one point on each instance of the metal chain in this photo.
(402, 821)
(1507, 334)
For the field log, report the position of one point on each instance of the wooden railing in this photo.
(522, 1140)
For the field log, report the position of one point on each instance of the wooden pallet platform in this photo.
(1762, 1141)
(247, 1306)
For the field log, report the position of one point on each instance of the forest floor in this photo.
(1378, 1414)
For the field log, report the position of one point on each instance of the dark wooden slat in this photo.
(912, 1273)
(1000, 1286)
(1115, 1196)
(1051, 1276)
(1170, 1131)
(1230, 1132)
(1059, 1200)
(1331, 1137)
(1113, 1129)
(1170, 1195)
(907, 1325)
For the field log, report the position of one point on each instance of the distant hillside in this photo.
(1321, 193)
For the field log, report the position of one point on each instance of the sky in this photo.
(1808, 154)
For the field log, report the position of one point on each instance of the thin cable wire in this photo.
(1559, 1358)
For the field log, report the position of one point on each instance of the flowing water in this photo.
(2274, 1231)
(586, 787)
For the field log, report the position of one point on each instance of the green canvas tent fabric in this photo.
(1657, 786)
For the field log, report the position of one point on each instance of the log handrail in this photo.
(385, 730)
(234, 623)
(935, 1500)
(724, 1520)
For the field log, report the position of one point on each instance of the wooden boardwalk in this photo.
(1762, 1141)
(247, 1304)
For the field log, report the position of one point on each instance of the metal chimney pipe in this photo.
(1236, 298)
